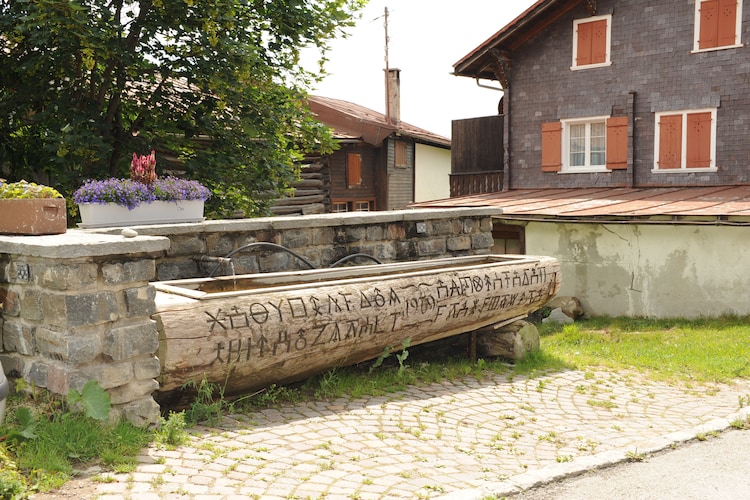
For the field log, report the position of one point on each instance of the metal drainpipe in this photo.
(631, 112)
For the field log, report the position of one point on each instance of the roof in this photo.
(676, 202)
(352, 121)
(482, 61)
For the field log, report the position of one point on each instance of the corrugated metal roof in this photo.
(355, 121)
(716, 201)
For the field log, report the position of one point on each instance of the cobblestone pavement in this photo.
(463, 439)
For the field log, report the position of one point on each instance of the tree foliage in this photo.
(214, 86)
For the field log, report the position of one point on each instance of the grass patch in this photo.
(703, 350)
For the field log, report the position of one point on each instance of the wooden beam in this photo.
(501, 68)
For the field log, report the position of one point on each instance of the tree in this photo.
(214, 86)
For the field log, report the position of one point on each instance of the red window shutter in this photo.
(599, 41)
(353, 169)
(670, 141)
(617, 142)
(592, 43)
(585, 35)
(698, 153)
(551, 147)
(727, 22)
(709, 29)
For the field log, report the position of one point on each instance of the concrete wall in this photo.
(432, 173)
(77, 306)
(649, 270)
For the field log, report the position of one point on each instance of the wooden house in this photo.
(624, 150)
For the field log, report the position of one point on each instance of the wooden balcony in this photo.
(476, 183)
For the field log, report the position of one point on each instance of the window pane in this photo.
(363, 206)
(577, 145)
(598, 144)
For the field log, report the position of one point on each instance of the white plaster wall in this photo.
(432, 173)
(649, 270)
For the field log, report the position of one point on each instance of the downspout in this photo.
(631, 111)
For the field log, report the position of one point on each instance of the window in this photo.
(591, 42)
(353, 170)
(685, 140)
(400, 154)
(593, 144)
(340, 206)
(717, 24)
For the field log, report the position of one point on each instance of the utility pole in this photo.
(387, 73)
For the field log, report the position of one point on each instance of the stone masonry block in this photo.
(11, 303)
(75, 349)
(66, 276)
(131, 341)
(129, 272)
(459, 243)
(91, 308)
(133, 391)
(140, 301)
(186, 245)
(375, 233)
(296, 238)
(143, 412)
(173, 270)
(110, 375)
(396, 232)
(431, 247)
(31, 305)
(482, 241)
(470, 226)
(443, 227)
(145, 368)
(17, 337)
(37, 375)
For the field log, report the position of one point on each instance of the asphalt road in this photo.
(716, 468)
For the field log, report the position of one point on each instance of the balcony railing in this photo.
(476, 183)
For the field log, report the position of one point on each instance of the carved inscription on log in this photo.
(299, 332)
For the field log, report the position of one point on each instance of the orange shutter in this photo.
(551, 147)
(617, 142)
(709, 29)
(583, 55)
(670, 141)
(698, 153)
(718, 20)
(599, 42)
(727, 22)
(592, 43)
(354, 169)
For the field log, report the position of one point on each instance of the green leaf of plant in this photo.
(94, 399)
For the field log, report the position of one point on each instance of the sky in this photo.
(425, 39)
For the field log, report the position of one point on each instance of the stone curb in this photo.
(559, 472)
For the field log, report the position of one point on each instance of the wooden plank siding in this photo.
(477, 144)
(366, 188)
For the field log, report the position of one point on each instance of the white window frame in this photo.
(608, 61)
(567, 168)
(697, 29)
(683, 153)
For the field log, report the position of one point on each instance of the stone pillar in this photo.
(77, 307)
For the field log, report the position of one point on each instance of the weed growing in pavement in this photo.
(635, 456)
(741, 424)
(172, 432)
(744, 400)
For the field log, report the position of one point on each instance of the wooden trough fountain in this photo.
(250, 331)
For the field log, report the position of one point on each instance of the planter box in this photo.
(156, 212)
(33, 216)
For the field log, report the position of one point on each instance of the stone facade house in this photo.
(625, 151)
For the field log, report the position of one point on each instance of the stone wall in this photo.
(78, 306)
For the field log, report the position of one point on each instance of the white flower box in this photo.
(157, 212)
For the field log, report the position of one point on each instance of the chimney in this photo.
(393, 95)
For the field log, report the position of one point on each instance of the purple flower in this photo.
(132, 193)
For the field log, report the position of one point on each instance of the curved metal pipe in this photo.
(353, 256)
(258, 245)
